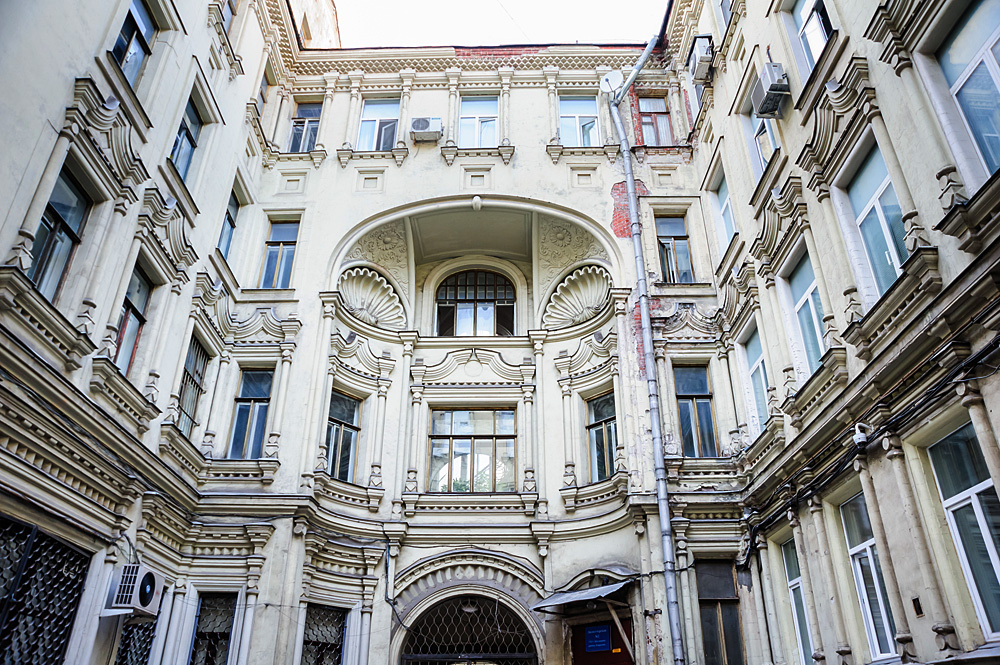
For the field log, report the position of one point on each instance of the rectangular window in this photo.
(758, 378)
(472, 451)
(229, 225)
(323, 638)
(813, 25)
(578, 122)
(477, 124)
(970, 60)
(342, 433)
(279, 252)
(697, 420)
(765, 140)
(187, 139)
(378, 125)
(655, 121)
(675, 252)
(132, 318)
(136, 643)
(213, 629)
(602, 432)
(58, 234)
(305, 124)
(808, 311)
(973, 514)
(799, 619)
(250, 418)
(192, 386)
(134, 43)
(228, 11)
(725, 7)
(261, 94)
(868, 578)
(879, 219)
(725, 210)
(722, 634)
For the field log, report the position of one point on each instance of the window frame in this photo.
(757, 425)
(817, 9)
(602, 425)
(306, 642)
(667, 248)
(136, 37)
(510, 303)
(721, 207)
(762, 127)
(796, 603)
(336, 452)
(376, 144)
(132, 312)
(472, 438)
(479, 121)
(578, 142)
(653, 118)
(40, 271)
(696, 427)
(706, 601)
(229, 224)
(234, 630)
(809, 299)
(190, 381)
(304, 142)
(284, 248)
(254, 403)
(187, 135)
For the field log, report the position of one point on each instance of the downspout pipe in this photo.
(662, 498)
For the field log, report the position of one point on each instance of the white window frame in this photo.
(805, 301)
(479, 120)
(798, 32)
(873, 202)
(868, 549)
(373, 146)
(578, 142)
(720, 207)
(305, 123)
(804, 650)
(762, 127)
(750, 395)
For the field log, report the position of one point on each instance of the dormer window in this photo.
(475, 303)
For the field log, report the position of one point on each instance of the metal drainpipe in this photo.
(662, 499)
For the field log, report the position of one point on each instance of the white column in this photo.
(300, 631)
(366, 634)
(323, 131)
(106, 247)
(973, 401)
(817, 258)
(283, 98)
(506, 73)
(452, 73)
(404, 107)
(569, 441)
(550, 83)
(802, 553)
(246, 631)
(761, 614)
(767, 591)
(829, 578)
(276, 417)
(354, 112)
(537, 454)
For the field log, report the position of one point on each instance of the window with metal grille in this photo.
(469, 629)
(472, 451)
(475, 303)
(213, 629)
(136, 642)
(323, 640)
(675, 253)
(602, 432)
(722, 635)
(342, 433)
(697, 420)
(192, 386)
(41, 580)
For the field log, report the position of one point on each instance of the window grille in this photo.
(192, 386)
(469, 630)
(475, 302)
(323, 641)
(213, 629)
(41, 580)
(135, 643)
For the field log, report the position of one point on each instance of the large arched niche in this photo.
(552, 240)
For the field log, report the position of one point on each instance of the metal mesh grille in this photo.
(469, 630)
(323, 643)
(41, 580)
(135, 644)
(213, 629)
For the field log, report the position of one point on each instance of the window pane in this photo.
(308, 110)
(487, 134)
(256, 440)
(732, 635)
(856, 524)
(602, 408)
(691, 380)
(685, 275)
(482, 422)
(588, 132)
(344, 408)
(753, 349)
(240, 424)
(441, 422)
(980, 103)
(140, 13)
(284, 231)
(505, 466)
(130, 328)
(366, 139)
(485, 325)
(652, 105)
(295, 143)
(467, 133)
(967, 38)
(577, 106)
(461, 466)
(271, 255)
(810, 335)
(894, 217)
(867, 181)
(381, 108)
(878, 251)
(598, 453)
(505, 320)
(438, 479)
(758, 379)
(505, 422)
(445, 320)
(47, 271)
(791, 559)
(131, 64)
(567, 132)
(256, 384)
(464, 326)
(802, 278)
(479, 106)
(138, 290)
(663, 128)
(226, 237)
(715, 579)
(69, 201)
(706, 429)
(980, 566)
(958, 462)
(182, 153)
(213, 629)
(482, 478)
(871, 602)
(461, 422)
(686, 408)
(802, 625)
(386, 135)
(285, 270)
(670, 226)
(814, 38)
(711, 634)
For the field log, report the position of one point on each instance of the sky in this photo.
(370, 23)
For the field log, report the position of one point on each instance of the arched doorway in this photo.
(469, 630)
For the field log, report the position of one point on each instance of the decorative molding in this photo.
(562, 244)
(579, 297)
(123, 397)
(369, 297)
(385, 247)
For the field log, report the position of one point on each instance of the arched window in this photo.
(475, 303)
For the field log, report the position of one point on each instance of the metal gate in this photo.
(41, 580)
(469, 630)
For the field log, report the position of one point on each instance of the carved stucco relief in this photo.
(385, 247)
(561, 244)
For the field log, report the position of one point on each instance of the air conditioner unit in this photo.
(767, 94)
(425, 129)
(700, 59)
(137, 588)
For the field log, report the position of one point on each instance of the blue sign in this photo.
(597, 638)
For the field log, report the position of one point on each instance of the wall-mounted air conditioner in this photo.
(770, 90)
(137, 588)
(425, 129)
(700, 59)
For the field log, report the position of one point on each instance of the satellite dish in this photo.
(612, 81)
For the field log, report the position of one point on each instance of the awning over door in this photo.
(592, 593)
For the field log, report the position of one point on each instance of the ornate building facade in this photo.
(320, 355)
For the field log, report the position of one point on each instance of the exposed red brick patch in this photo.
(619, 194)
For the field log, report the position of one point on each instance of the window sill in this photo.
(767, 181)
(815, 83)
(498, 502)
(225, 271)
(612, 490)
(512, 342)
(346, 154)
(504, 152)
(692, 289)
(179, 190)
(317, 155)
(107, 381)
(268, 295)
(346, 494)
(556, 150)
(642, 152)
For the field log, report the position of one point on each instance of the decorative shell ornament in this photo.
(578, 298)
(369, 297)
